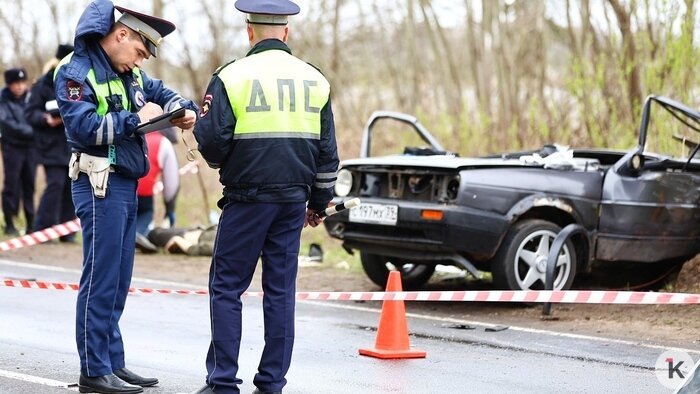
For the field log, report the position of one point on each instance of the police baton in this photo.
(337, 208)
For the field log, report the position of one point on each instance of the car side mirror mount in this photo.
(630, 165)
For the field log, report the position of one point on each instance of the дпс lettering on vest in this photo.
(257, 94)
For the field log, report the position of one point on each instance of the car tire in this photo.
(521, 262)
(377, 268)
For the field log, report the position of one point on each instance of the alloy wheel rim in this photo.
(530, 262)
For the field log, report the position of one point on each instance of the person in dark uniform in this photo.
(18, 154)
(102, 96)
(266, 123)
(56, 205)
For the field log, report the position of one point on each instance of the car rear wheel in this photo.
(521, 263)
(377, 268)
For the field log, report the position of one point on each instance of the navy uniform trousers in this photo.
(246, 232)
(108, 226)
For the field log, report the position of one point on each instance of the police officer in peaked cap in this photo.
(103, 95)
(266, 123)
(151, 29)
(269, 12)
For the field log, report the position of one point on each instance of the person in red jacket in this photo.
(163, 165)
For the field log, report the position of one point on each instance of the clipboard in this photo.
(160, 122)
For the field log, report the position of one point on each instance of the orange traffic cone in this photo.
(392, 333)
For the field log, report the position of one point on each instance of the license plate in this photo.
(375, 213)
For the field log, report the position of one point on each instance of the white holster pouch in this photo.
(73, 168)
(97, 169)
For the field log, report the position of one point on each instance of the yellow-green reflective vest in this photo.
(102, 90)
(275, 95)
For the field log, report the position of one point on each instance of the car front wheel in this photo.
(521, 262)
(377, 268)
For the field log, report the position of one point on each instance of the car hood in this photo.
(437, 161)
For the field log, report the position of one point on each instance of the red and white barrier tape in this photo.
(534, 296)
(47, 234)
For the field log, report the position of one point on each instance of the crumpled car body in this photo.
(500, 213)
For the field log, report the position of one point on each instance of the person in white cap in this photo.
(102, 96)
(266, 122)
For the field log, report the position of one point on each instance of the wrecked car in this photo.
(500, 213)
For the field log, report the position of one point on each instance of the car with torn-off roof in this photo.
(500, 213)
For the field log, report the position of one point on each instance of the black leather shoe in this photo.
(257, 391)
(106, 384)
(204, 390)
(130, 377)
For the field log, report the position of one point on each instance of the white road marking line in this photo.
(77, 271)
(33, 379)
(415, 315)
(38, 266)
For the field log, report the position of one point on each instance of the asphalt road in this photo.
(167, 336)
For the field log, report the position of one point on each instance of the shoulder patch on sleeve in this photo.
(206, 105)
(74, 91)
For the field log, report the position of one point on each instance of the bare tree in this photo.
(445, 52)
(158, 65)
(476, 63)
(629, 64)
(8, 19)
(535, 75)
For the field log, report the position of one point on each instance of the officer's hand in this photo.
(149, 111)
(312, 218)
(185, 122)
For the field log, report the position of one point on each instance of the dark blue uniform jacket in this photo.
(88, 132)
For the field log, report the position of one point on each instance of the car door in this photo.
(650, 208)
(650, 217)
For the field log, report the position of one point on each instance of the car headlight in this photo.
(343, 183)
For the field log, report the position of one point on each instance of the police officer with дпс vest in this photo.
(102, 96)
(266, 123)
